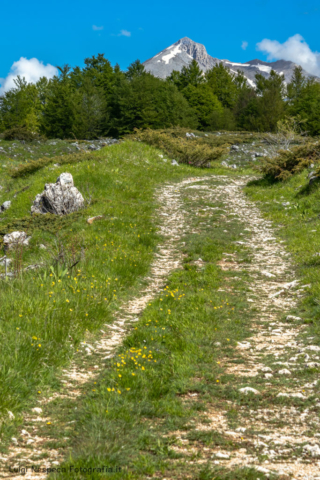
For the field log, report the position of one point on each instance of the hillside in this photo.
(182, 52)
(177, 334)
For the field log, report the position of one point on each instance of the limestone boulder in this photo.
(59, 198)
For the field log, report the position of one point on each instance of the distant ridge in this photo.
(182, 52)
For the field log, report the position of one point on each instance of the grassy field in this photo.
(45, 313)
(141, 414)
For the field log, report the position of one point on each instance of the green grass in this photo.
(53, 309)
(173, 351)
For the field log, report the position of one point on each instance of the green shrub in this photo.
(198, 151)
(21, 133)
(32, 166)
(288, 162)
(193, 151)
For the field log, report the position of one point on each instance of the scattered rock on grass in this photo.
(15, 238)
(93, 219)
(247, 390)
(5, 206)
(59, 198)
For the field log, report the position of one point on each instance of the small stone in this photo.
(247, 390)
(14, 440)
(174, 162)
(93, 219)
(222, 455)
(292, 317)
(42, 247)
(315, 348)
(266, 369)
(10, 414)
(5, 206)
(37, 410)
(15, 238)
(284, 371)
(314, 450)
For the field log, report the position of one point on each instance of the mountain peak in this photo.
(181, 54)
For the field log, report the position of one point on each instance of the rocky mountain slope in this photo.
(182, 52)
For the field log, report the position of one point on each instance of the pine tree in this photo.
(136, 69)
(204, 103)
(58, 113)
(190, 75)
(147, 102)
(222, 84)
(89, 111)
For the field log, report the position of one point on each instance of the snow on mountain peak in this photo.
(181, 53)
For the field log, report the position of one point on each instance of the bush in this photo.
(289, 162)
(21, 133)
(34, 165)
(198, 151)
(195, 151)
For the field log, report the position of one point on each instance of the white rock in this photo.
(37, 410)
(267, 274)
(243, 344)
(14, 440)
(241, 429)
(59, 198)
(314, 450)
(5, 206)
(292, 395)
(284, 371)
(174, 162)
(16, 238)
(247, 390)
(266, 369)
(315, 348)
(292, 317)
(65, 180)
(222, 455)
(10, 414)
(5, 261)
(268, 375)
(42, 247)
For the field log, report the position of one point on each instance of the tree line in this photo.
(100, 99)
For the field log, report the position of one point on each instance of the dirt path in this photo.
(283, 437)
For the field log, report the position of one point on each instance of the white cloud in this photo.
(244, 45)
(94, 27)
(32, 70)
(294, 49)
(124, 33)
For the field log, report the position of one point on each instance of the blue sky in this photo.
(63, 32)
